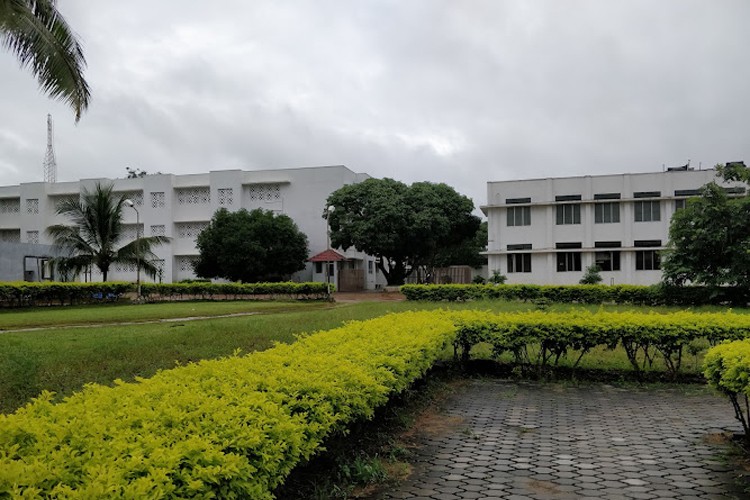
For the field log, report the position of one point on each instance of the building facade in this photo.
(548, 231)
(181, 206)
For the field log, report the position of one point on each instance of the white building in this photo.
(548, 231)
(180, 206)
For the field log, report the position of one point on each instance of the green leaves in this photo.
(230, 428)
(709, 241)
(250, 246)
(95, 237)
(41, 39)
(406, 226)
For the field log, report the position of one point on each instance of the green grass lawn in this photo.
(62, 360)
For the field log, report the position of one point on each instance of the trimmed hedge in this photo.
(230, 428)
(233, 291)
(583, 294)
(727, 368)
(26, 294)
(29, 294)
(557, 333)
(236, 427)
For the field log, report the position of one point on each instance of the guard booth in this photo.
(329, 266)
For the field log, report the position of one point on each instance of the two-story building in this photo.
(548, 231)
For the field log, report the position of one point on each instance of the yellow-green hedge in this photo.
(727, 368)
(230, 428)
(582, 330)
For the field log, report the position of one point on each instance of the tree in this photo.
(466, 252)
(592, 275)
(404, 226)
(709, 241)
(250, 247)
(96, 236)
(42, 40)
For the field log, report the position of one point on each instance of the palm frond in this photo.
(43, 41)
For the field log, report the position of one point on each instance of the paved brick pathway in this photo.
(547, 441)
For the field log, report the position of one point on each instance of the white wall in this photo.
(544, 233)
(178, 206)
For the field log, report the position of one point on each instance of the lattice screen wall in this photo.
(121, 267)
(226, 197)
(10, 205)
(32, 236)
(57, 201)
(10, 235)
(130, 232)
(32, 206)
(263, 192)
(184, 263)
(135, 196)
(190, 230)
(157, 199)
(194, 196)
(159, 230)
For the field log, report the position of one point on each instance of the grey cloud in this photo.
(461, 92)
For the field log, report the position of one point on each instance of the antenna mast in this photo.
(50, 164)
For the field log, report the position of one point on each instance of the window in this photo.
(647, 260)
(519, 263)
(679, 204)
(606, 257)
(568, 261)
(647, 211)
(569, 214)
(519, 216)
(319, 267)
(370, 267)
(605, 213)
(608, 260)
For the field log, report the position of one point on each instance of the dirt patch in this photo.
(368, 297)
(542, 487)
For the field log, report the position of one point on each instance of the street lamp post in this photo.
(137, 247)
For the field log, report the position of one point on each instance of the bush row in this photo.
(25, 294)
(230, 428)
(641, 335)
(585, 294)
(232, 291)
(727, 368)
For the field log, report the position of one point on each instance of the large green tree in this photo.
(40, 37)
(466, 252)
(404, 226)
(250, 247)
(709, 240)
(95, 237)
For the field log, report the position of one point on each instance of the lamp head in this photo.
(129, 202)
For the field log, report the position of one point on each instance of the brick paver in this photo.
(547, 441)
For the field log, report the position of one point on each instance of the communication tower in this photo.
(50, 164)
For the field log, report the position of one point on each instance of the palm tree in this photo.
(95, 238)
(41, 39)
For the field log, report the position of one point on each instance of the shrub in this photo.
(727, 368)
(231, 428)
(584, 294)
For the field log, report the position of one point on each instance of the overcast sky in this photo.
(455, 91)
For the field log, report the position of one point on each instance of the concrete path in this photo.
(499, 439)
